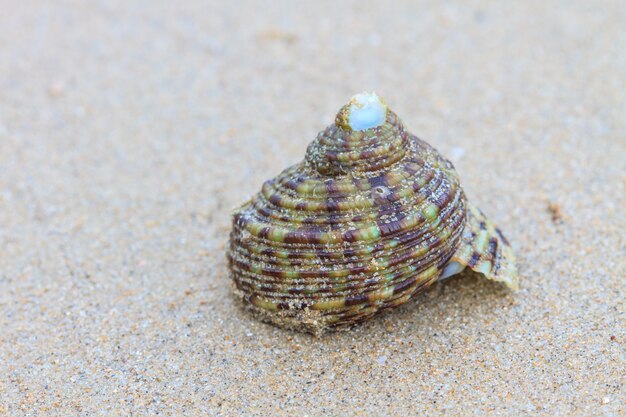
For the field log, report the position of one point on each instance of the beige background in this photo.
(129, 130)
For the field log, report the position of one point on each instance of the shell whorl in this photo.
(369, 218)
(338, 151)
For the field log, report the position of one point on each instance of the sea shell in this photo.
(370, 218)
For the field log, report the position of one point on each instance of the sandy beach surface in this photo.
(130, 130)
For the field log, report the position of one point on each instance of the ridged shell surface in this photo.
(368, 219)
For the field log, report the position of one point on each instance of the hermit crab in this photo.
(371, 217)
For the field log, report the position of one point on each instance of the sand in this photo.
(128, 132)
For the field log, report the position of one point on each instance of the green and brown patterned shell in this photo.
(369, 219)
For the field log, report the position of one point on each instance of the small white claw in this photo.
(452, 268)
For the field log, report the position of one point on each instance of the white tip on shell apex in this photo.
(367, 110)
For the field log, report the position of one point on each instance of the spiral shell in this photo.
(370, 218)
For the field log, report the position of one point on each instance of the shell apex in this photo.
(362, 112)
